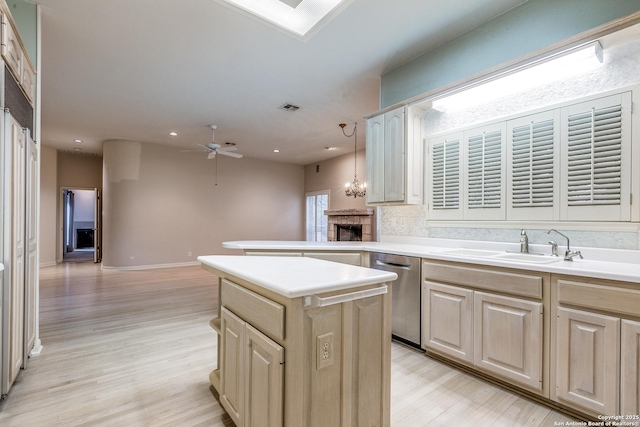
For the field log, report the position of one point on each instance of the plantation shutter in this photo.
(446, 175)
(445, 181)
(597, 138)
(484, 172)
(533, 156)
(532, 164)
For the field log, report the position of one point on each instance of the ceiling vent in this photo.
(289, 107)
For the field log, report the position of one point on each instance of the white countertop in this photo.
(295, 277)
(628, 271)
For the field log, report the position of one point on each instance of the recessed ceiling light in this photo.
(276, 151)
(173, 134)
(329, 148)
(77, 140)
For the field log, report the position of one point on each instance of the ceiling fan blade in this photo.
(226, 153)
(211, 155)
(230, 148)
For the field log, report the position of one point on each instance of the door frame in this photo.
(97, 224)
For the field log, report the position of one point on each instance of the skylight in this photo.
(298, 17)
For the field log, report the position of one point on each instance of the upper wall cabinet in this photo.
(569, 163)
(395, 157)
(16, 58)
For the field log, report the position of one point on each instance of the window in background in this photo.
(317, 203)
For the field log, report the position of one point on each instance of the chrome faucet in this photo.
(568, 254)
(524, 242)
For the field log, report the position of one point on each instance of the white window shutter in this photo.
(484, 148)
(596, 159)
(445, 181)
(533, 160)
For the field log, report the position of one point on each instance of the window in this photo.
(569, 163)
(317, 221)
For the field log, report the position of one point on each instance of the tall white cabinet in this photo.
(395, 150)
(19, 198)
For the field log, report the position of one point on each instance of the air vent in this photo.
(289, 107)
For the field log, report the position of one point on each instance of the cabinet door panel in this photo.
(630, 369)
(508, 338)
(448, 323)
(231, 366)
(265, 380)
(394, 155)
(588, 360)
(375, 159)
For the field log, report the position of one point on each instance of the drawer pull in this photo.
(316, 301)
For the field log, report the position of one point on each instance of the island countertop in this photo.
(294, 277)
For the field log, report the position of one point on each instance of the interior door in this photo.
(97, 230)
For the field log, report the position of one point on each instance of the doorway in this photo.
(81, 214)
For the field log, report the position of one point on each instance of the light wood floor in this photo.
(135, 349)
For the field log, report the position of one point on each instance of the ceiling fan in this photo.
(212, 148)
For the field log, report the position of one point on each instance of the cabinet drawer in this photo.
(623, 301)
(352, 258)
(499, 281)
(261, 312)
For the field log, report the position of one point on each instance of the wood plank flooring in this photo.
(135, 348)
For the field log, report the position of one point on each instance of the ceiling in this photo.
(139, 69)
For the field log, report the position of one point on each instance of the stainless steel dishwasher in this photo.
(405, 295)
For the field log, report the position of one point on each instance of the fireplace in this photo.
(350, 225)
(348, 233)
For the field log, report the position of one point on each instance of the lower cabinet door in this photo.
(448, 321)
(232, 390)
(588, 360)
(508, 338)
(265, 372)
(630, 368)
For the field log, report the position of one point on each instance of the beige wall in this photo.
(48, 203)
(61, 170)
(332, 176)
(160, 203)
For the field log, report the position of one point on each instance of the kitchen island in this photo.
(302, 341)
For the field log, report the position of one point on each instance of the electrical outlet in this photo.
(189, 253)
(324, 350)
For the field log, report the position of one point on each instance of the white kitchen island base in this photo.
(302, 342)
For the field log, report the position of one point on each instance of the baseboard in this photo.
(149, 267)
(37, 349)
(48, 264)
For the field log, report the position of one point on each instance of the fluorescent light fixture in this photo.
(552, 68)
(299, 19)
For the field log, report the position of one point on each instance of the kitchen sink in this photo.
(532, 258)
(470, 252)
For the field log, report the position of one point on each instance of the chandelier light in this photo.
(354, 189)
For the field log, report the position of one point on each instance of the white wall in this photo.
(84, 205)
(160, 203)
(48, 204)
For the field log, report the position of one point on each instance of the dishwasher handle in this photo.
(393, 265)
(316, 301)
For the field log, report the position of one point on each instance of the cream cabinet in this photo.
(395, 151)
(16, 58)
(448, 324)
(595, 346)
(299, 361)
(587, 360)
(630, 368)
(344, 257)
(251, 386)
(492, 320)
(508, 338)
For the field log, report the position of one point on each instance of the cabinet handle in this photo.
(316, 301)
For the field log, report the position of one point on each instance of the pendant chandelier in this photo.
(354, 189)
